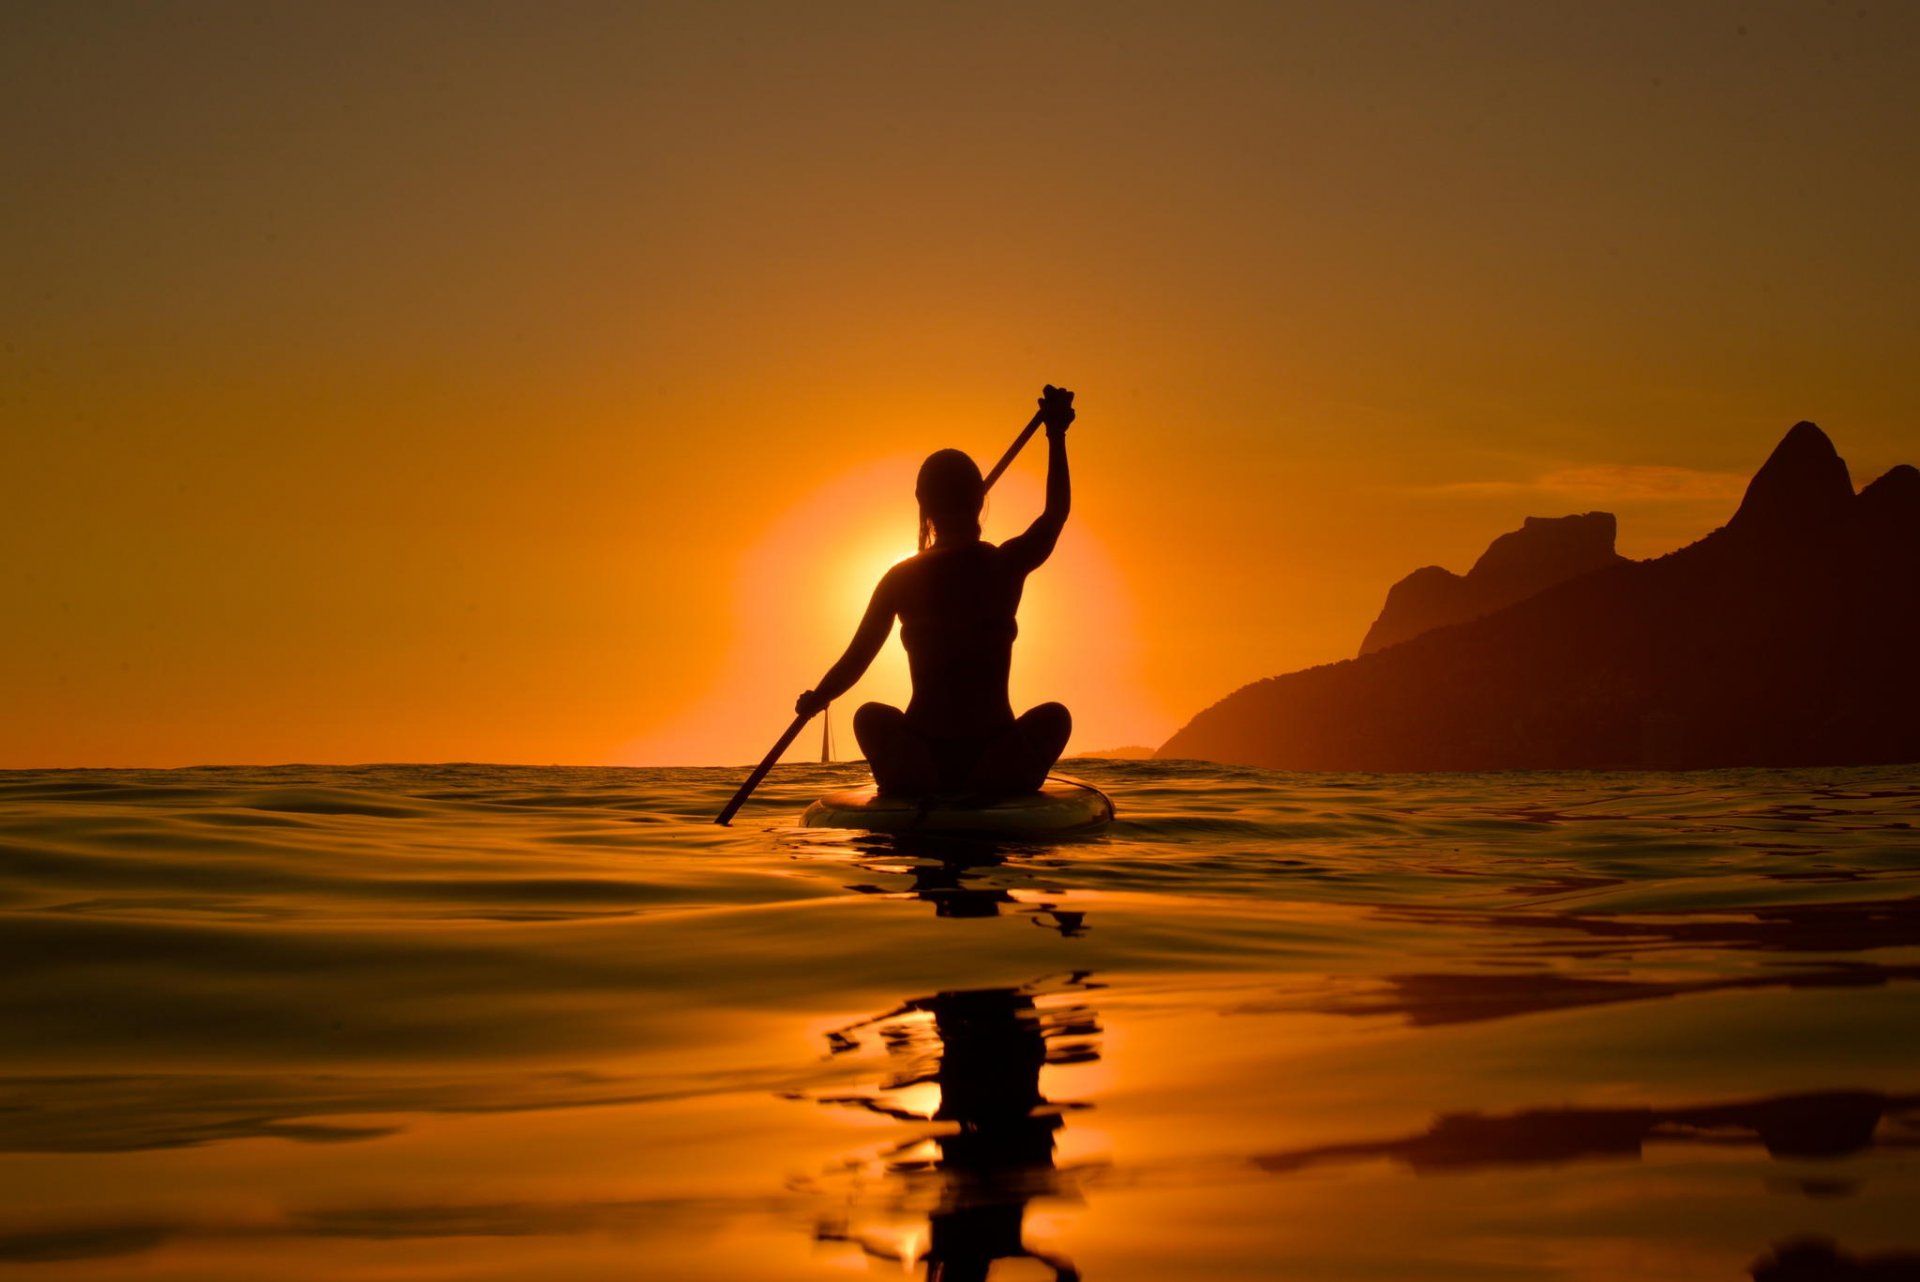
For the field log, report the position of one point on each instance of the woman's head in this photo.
(950, 492)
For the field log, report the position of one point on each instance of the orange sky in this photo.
(544, 383)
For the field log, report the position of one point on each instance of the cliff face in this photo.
(1787, 637)
(1541, 553)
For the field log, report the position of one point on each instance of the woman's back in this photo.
(957, 606)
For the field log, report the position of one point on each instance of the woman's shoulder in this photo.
(921, 564)
(949, 551)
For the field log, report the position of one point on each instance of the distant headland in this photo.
(1788, 637)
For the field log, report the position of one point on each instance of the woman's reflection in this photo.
(946, 872)
(983, 1049)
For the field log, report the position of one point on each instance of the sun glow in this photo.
(803, 587)
(866, 567)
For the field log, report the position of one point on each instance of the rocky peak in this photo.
(1890, 507)
(1803, 484)
(1543, 552)
(1548, 549)
(1898, 486)
(1784, 639)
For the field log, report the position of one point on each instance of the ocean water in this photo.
(471, 1022)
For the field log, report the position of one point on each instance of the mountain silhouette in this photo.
(1542, 552)
(1787, 637)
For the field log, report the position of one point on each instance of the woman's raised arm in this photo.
(1036, 545)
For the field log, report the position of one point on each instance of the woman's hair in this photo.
(950, 492)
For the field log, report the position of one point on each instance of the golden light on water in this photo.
(910, 1246)
(922, 1098)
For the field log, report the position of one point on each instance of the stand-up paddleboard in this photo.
(1064, 805)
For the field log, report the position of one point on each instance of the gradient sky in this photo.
(544, 382)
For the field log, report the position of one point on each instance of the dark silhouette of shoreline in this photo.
(1785, 638)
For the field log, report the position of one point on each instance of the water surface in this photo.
(512, 1023)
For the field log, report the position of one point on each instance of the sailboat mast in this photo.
(826, 735)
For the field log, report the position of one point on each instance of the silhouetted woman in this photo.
(956, 601)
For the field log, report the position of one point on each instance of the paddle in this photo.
(800, 721)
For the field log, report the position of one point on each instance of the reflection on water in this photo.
(1465, 998)
(1827, 1124)
(982, 1050)
(487, 1023)
(1819, 1260)
(947, 872)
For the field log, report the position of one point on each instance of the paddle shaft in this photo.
(760, 771)
(800, 721)
(1026, 434)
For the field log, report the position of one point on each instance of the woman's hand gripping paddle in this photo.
(800, 721)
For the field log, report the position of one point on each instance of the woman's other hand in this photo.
(809, 703)
(1056, 409)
